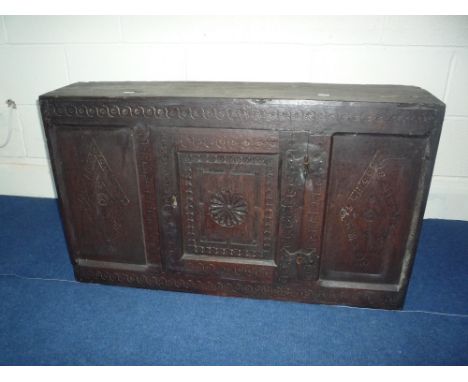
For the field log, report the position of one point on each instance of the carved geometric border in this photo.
(276, 113)
(182, 282)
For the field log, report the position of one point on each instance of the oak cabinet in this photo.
(302, 192)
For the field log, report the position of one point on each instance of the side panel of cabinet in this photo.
(373, 183)
(97, 179)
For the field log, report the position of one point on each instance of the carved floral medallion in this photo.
(227, 209)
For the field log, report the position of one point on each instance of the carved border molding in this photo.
(174, 281)
(259, 274)
(146, 174)
(292, 184)
(168, 189)
(273, 113)
(227, 140)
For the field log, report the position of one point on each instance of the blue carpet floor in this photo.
(46, 318)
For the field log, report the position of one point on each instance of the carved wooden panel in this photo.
(228, 204)
(373, 185)
(100, 179)
(227, 200)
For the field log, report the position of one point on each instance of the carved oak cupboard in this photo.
(303, 192)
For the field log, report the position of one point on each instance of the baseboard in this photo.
(448, 197)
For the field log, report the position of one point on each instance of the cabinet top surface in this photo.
(248, 90)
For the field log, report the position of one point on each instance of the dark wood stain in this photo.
(301, 192)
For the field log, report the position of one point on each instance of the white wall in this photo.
(39, 54)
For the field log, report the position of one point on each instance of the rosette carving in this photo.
(228, 209)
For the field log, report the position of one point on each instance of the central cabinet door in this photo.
(219, 190)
